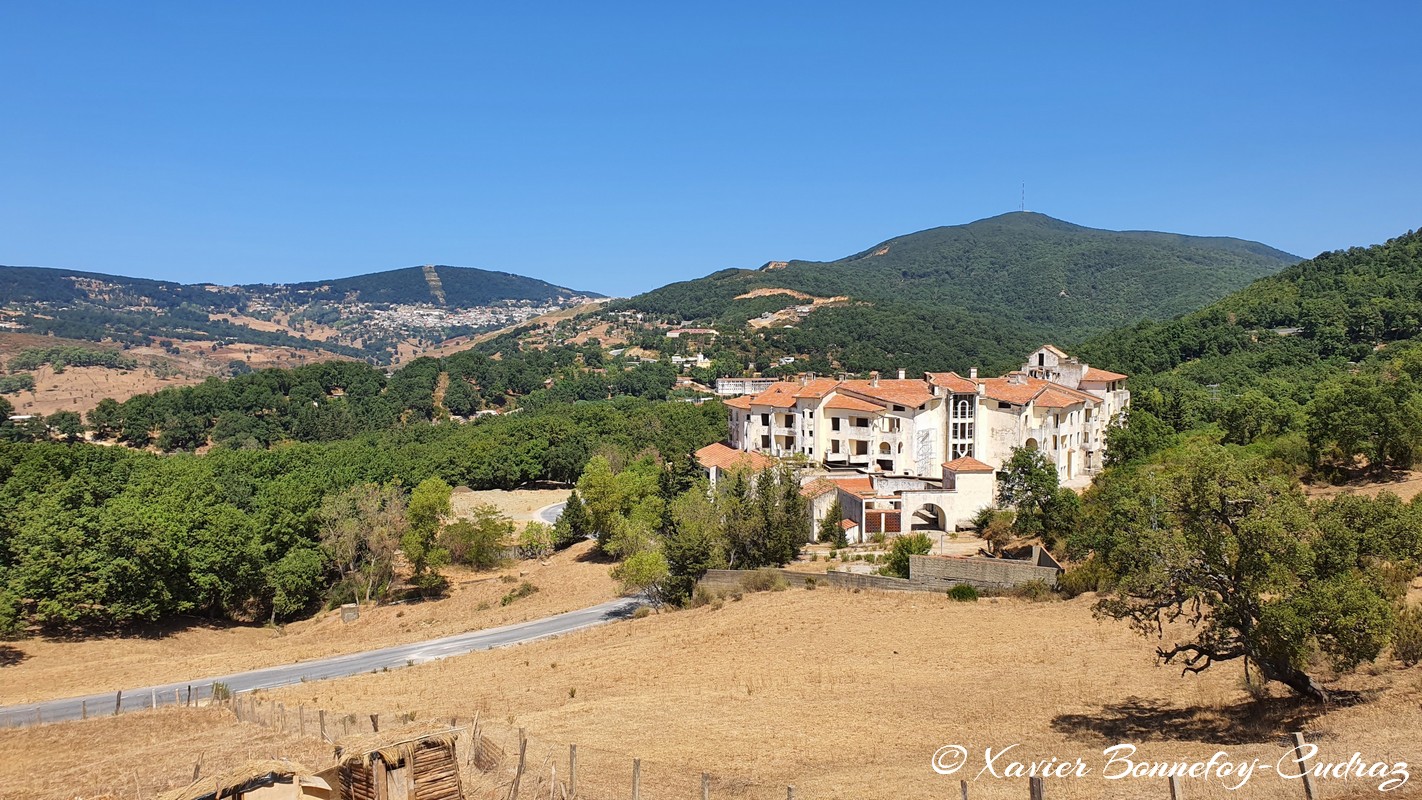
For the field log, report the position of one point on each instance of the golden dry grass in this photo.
(48, 668)
(137, 755)
(846, 695)
(521, 505)
(1405, 484)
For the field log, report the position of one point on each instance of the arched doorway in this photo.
(929, 517)
(1031, 444)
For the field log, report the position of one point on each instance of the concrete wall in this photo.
(927, 574)
(939, 572)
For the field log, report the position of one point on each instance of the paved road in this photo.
(550, 514)
(334, 667)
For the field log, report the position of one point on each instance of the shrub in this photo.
(917, 544)
(524, 590)
(1407, 636)
(1091, 575)
(536, 540)
(764, 580)
(1036, 591)
(479, 542)
(811, 583)
(963, 593)
(642, 612)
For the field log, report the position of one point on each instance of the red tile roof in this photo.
(1096, 374)
(859, 486)
(848, 403)
(817, 487)
(848, 524)
(781, 394)
(911, 393)
(742, 402)
(817, 388)
(722, 457)
(967, 464)
(953, 382)
(1054, 395)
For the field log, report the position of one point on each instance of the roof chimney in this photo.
(972, 373)
(874, 378)
(901, 373)
(803, 379)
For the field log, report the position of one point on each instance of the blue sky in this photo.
(618, 146)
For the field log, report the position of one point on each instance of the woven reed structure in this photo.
(423, 768)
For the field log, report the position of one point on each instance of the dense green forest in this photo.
(1315, 373)
(1328, 351)
(980, 294)
(98, 536)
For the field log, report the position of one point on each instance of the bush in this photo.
(1036, 591)
(917, 544)
(429, 584)
(536, 540)
(963, 593)
(524, 590)
(764, 580)
(1091, 575)
(479, 542)
(1407, 636)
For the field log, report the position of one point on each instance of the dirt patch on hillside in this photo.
(1405, 484)
(45, 669)
(519, 504)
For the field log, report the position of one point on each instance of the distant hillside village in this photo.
(922, 453)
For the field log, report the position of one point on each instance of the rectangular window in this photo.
(962, 430)
(765, 420)
(834, 423)
(1001, 404)
(765, 442)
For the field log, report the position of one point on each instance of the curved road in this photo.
(550, 514)
(334, 667)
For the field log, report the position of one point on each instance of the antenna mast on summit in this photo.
(1022, 206)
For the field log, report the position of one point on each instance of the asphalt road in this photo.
(334, 667)
(550, 514)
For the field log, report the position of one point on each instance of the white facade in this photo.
(910, 427)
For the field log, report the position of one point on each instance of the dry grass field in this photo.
(41, 669)
(847, 695)
(136, 756)
(520, 505)
(81, 388)
(1406, 484)
(843, 694)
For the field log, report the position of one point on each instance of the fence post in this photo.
(789, 793)
(636, 779)
(154, 698)
(573, 770)
(301, 723)
(963, 787)
(118, 701)
(522, 753)
(322, 714)
(1298, 739)
(190, 694)
(375, 723)
(177, 697)
(705, 786)
(1034, 788)
(1175, 789)
(83, 709)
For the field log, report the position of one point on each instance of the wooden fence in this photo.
(561, 772)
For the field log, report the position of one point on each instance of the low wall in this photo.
(939, 572)
(927, 574)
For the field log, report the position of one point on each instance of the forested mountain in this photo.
(981, 293)
(1326, 355)
(362, 316)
